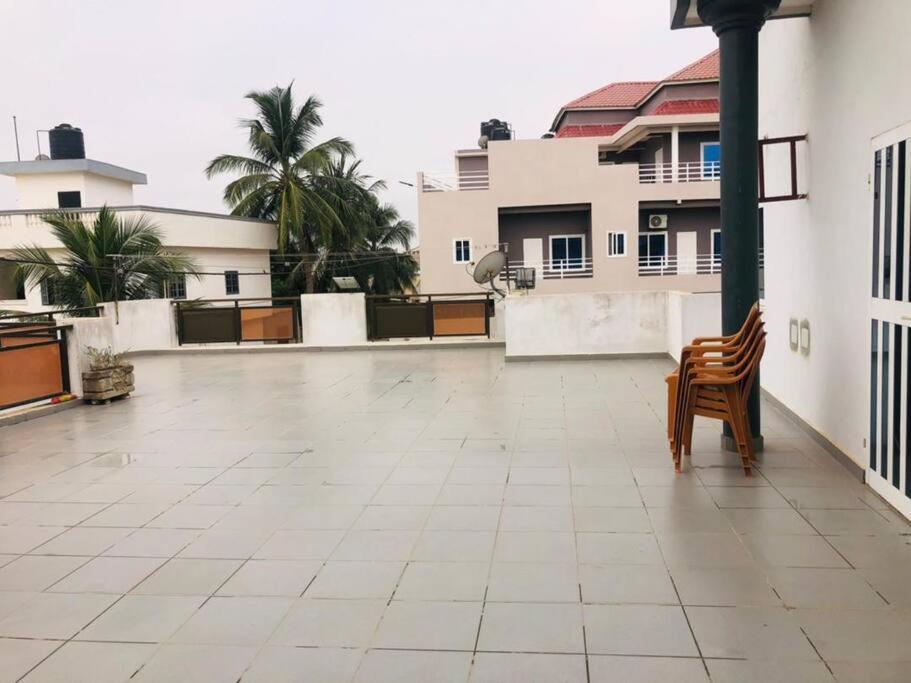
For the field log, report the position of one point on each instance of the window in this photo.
(69, 200)
(48, 295)
(176, 287)
(716, 250)
(232, 282)
(567, 252)
(653, 250)
(616, 244)
(710, 155)
(462, 251)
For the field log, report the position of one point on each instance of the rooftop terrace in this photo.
(434, 515)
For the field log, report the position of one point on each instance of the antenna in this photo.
(16, 135)
(488, 268)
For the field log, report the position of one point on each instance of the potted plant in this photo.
(109, 375)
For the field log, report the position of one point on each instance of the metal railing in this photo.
(391, 316)
(701, 264)
(686, 172)
(553, 269)
(204, 321)
(451, 181)
(49, 316)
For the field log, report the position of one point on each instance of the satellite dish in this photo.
(488, 268)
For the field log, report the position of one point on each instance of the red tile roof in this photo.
(687, 107)
(623, 95)
(591, 130)
(628, 94)
(709, 67)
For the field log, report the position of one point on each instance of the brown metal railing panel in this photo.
(31, 373)
(267, 324)
(398, 319)
(458, 319)
(30, 334)
(208, 325)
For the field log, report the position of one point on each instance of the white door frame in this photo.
(883, 464)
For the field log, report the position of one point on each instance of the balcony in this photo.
(683, 172)
(553, 269)
(701, 264)
(451, 181)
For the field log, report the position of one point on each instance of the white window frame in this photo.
(236, 275)
(611, 245)
(706, 174)
(550, 252)
(178, 282)
(467, 240)
(657, 266)
(716, 258)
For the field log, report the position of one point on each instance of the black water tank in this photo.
(66, 142)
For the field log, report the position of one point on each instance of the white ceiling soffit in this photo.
(684, 15)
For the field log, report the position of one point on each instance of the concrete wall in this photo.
(689, 316)
(701, 220)
(586, 324)
(604, 324)
(143, 325)
(86, 332)
(514, 227)
(253, 266)
(333, 319)
(842, 73)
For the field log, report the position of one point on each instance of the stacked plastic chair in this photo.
(714, 380)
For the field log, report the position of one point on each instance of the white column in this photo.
(675, 152)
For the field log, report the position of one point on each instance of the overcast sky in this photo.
(157, 86)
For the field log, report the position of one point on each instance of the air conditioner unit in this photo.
(657, 221)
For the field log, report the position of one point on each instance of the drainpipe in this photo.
(737, 24)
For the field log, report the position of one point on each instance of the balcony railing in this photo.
(452, 181)
(553, 269)
(701, 264)
(687, 172)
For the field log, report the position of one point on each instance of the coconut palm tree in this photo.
(278, 180)
(84, 274)
(379, 259)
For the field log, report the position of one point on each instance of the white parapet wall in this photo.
(84, 333)
(691, 315)
(333, 319)
(144, 325)
(607, 324)
(586, 325)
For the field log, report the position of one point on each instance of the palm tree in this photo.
(84, 275)
(279, 180)
(379, 260)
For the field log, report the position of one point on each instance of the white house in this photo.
(233, 252)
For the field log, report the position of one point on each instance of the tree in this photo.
(280, 180)
(379, 259)
(84, 274)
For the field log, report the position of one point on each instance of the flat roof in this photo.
(135, 207)
(45, 166)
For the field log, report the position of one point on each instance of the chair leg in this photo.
(740, 429)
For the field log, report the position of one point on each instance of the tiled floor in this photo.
(432, 516)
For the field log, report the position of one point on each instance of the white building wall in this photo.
(838, 76)
(39, 191)
(253, 266)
